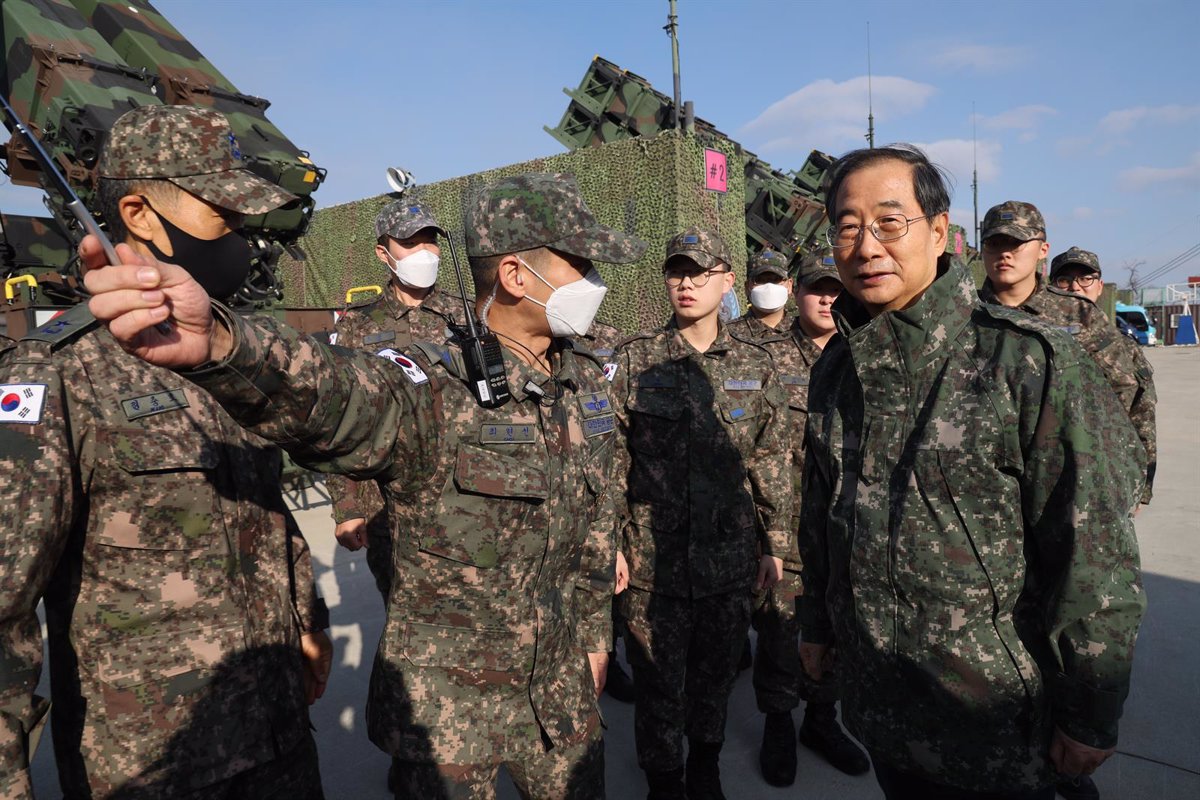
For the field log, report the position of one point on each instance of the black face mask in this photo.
(219, 265)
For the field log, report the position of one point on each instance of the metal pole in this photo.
(672, 29)
(975, 173)
(870, 103)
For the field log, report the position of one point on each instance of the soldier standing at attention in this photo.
(966, 532)
(704, 467)
(498, 621)
(1014, 244)
(184, 632)
(795, 341)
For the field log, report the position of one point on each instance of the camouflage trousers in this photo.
(684, 654)
(569, 773)
(779, 680)
(379, 553)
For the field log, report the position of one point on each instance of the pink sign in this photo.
(958, 242)
(716, 178)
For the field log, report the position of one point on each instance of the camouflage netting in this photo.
(648, 187)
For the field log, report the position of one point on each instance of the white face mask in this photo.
(572, 307)
(769, 296)
(418, 270)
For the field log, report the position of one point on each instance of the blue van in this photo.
(1139, 320)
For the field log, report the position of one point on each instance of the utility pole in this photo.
(672, 29)
(870, 104)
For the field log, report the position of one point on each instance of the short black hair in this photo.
(109, 192)
(930, 181)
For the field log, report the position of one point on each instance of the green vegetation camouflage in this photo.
(1075, 255)
(535, 210)
(967, 538)
(401, 219)
(1124, 365)
(1013, 218)
(705, 247)
(502, 529)
(175, 581)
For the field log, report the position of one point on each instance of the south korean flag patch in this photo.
(414, 373)
(610, 371)
(22, 402)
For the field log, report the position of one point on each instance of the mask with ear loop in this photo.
(418, 270)
(768, 297)
(571, 307)
(219, 265)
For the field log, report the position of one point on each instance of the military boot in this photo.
(821, 733)
(617, 684)
(1081, 788)
(703, 772)
(666, 785)
(777, 756)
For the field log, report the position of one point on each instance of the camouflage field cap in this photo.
(1076, 255)
(400, 219)
(1016, 219)
(817, 265)
(193, 148)
(768, 262)
(543, 210)
(701, 245)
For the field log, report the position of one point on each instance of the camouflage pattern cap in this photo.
(817, 265)
(1076, 255)
(768, 262)
(701, 245)
(543, 210)
(1016, 219)
(400, 219)
(193, 148)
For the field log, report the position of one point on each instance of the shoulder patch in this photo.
(22, 402)
(66, 326)
(414, 372)
(610, 370)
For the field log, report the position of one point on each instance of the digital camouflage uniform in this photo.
(1122, 362)
(967, 540)
(502, 522)
(176, 583)
(779, 680)
(373, 324)
(704, 466)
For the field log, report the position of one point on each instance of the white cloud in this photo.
(1186, 176)
(1021, 118)
(1126, 119)
(960, 157)
(1082, 213)
(981, 57)
(832, 116)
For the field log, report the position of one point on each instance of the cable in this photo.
(546, 400)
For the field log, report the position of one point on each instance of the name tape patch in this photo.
(743, 385)
(157, 403)
(794, 380)
(22, 402)
(599, 425)
(414, 373)
(381, 336)
(507, 433)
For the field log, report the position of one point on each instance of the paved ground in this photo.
(1159, 755)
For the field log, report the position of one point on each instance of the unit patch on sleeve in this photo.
(22, 402)
(414, 373)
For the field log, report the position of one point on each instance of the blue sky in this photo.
(1090, 110)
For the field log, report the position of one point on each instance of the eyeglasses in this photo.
(674, 277)
(884, 229)
(1006, 244)
(1082, 281)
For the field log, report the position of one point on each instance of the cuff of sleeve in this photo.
(340, 515)
(318, 617)
(595, 634)
(1086, 714)
(815, 627)
(778, 543)
(224, 317)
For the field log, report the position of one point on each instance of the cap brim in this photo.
(1015, 231)
(406, 231)
(782, 273)
(601, 243)
(236, 190)
(1056, 270)
(701, 258)
(813, 277)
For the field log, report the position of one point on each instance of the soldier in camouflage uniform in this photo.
(965, 531)
(704, 464)
(794, 334)
(411, 309)
(497, 631)
(1078, 271)
(182, 620)
(1014, 243)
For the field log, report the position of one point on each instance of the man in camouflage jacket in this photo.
(1014, 244)
(966, 530)
(704, 466)
(497, 632)
(795, 335)
(404, 313)
(178, 589)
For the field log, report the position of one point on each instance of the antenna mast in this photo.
(870, 105)
(975, 171)
(672, 29)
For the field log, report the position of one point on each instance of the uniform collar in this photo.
(679, 348)
(397, 308)
(760, 332)
(1034, 304)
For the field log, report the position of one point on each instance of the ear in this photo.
(139, 218)
(382, 254)
(1045, 251)
(730, 278)
(509, 277)
(940, 225)
(790, 285)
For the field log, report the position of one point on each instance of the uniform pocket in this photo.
(495, 652)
